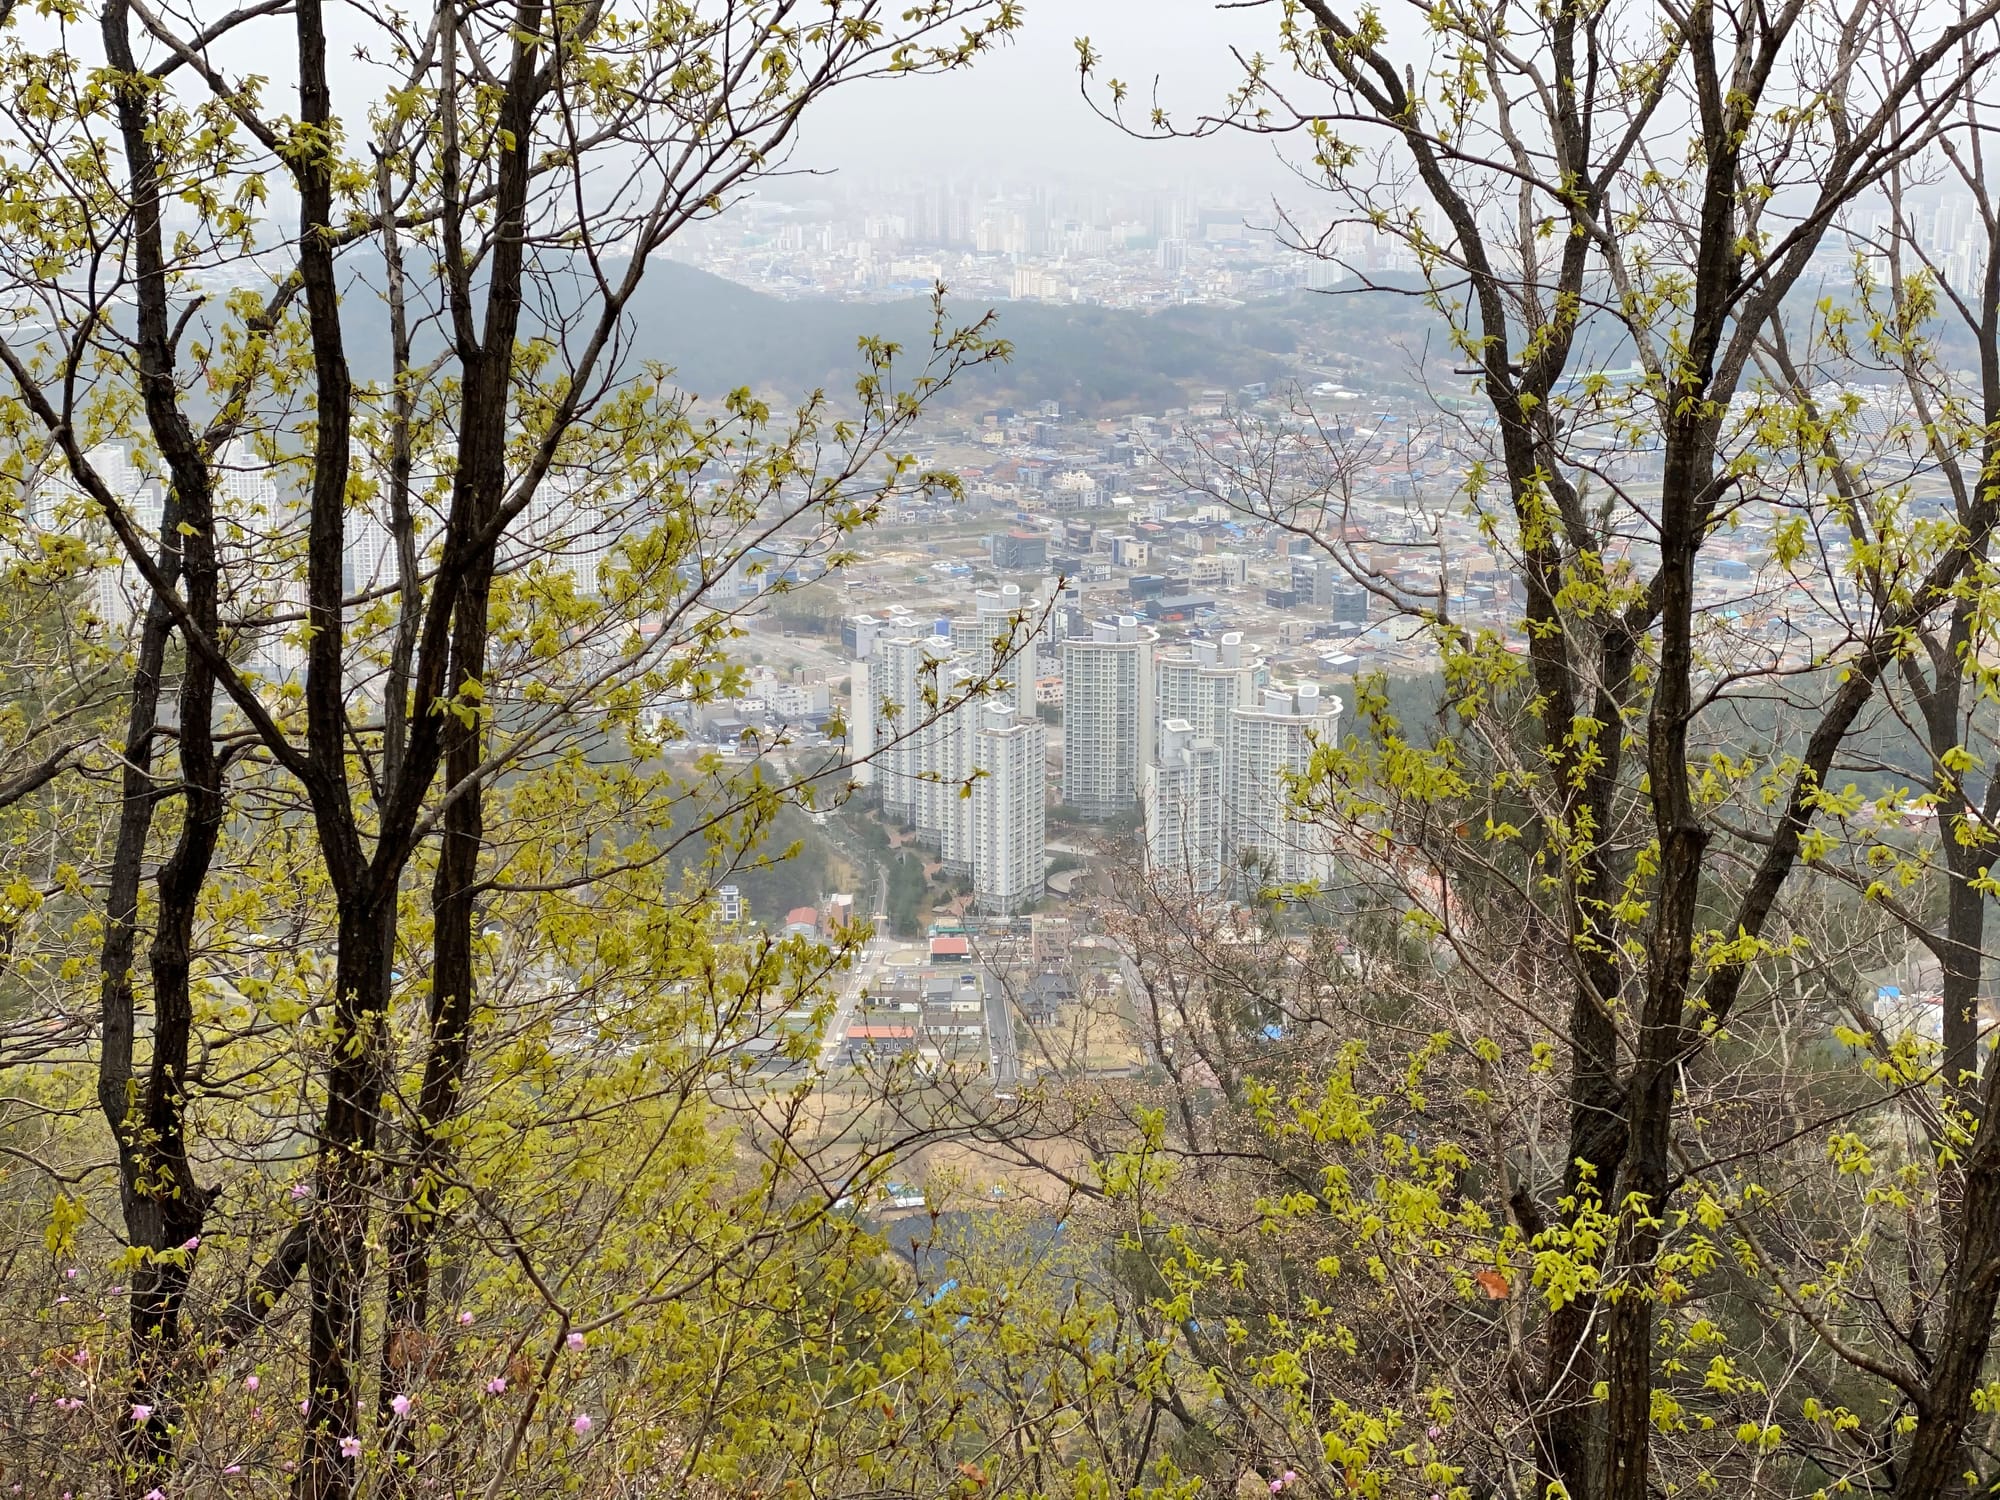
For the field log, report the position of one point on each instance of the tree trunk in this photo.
(412, 1231)
(1934, 1464)
(343, 1187)
(164, 1206)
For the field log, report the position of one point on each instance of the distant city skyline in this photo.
(1018, 237)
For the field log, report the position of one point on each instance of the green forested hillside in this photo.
(717, 335)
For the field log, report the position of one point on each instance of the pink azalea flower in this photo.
(250, 1382)
(582, 1424)
(142, 1414)
(496, 1386)
(575, 1341)
(156, 1495)
(400, 1405)
(350, 1447)
(192, 1244)
(70, 1274)
(234, 1469)
(465, 1320)
(301, 1190)
(304, 1407)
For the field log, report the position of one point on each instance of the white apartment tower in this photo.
(1009, 814)
(1107, 716)
(862, 711)
(1184, 824)
(55, 506)
(907, 679)
(1200, 682)
(946, 768)
(261, 548)
(1003, 619)
(1265, 745)
(971, 783)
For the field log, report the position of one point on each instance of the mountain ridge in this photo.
(718, 335)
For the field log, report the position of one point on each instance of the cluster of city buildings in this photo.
(946, 727)
(1371, 508)
(1196, 741)
(1110, 246)
(935, 1007)
(1220, 789)
(1205, 744)
(1123, 245)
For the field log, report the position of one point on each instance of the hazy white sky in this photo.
(1018, 112)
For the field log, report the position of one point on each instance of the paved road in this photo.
(1134, 998)
(1000, 1044)
(858, 979)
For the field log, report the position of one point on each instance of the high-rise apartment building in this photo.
(1183, 797)
(1265, 746)
(1001, 625)
(971, 781)
(908, 679)
(1107, 716)
(1008, 808)
(1202, 681)
(861, 719)
(946, 767)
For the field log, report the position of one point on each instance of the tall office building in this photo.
(1202, 681)
(1183, 797)
(1009, 809)
(1265, 745)
(1107, 716)
(1326, 589)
